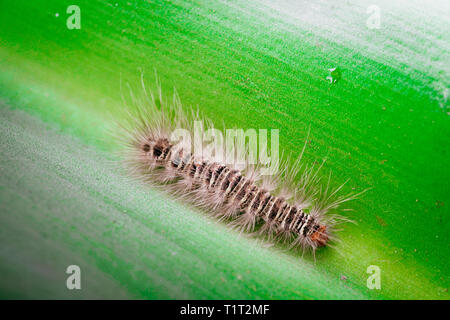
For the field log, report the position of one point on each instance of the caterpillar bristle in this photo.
(289, 206)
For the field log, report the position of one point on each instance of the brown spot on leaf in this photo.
(439, 204)
(381, 221)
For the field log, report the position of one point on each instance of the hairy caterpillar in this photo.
(289, 206)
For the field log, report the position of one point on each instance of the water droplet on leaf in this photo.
(334, 76)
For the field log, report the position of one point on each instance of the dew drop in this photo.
(334, 75)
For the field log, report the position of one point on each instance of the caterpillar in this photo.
(289, 206)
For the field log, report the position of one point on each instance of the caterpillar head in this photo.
(319, 235)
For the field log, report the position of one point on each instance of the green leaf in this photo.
(384, 125)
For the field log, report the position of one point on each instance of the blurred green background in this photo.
(384, 124)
